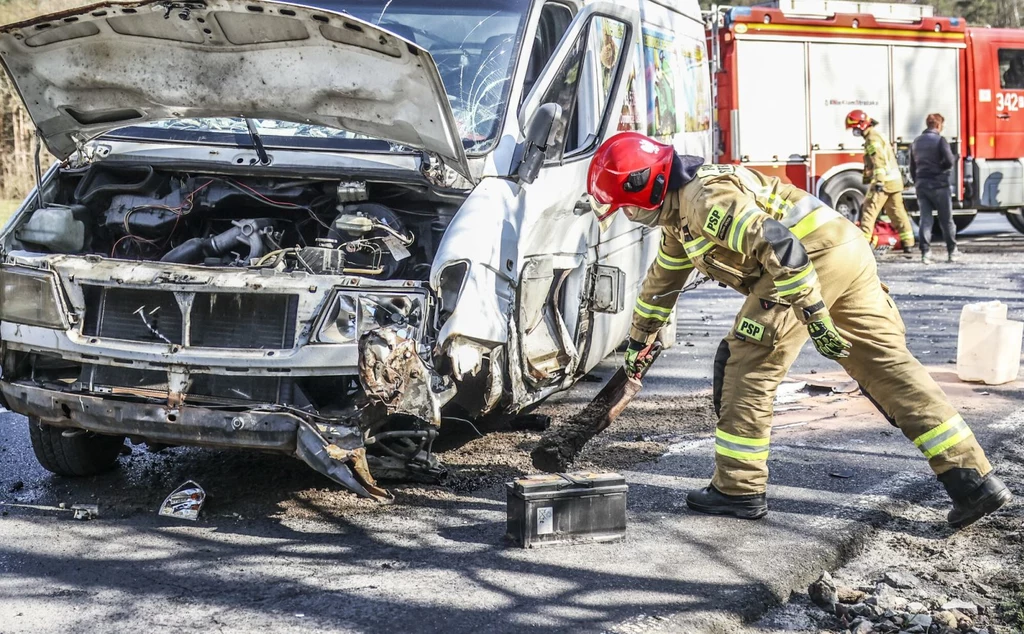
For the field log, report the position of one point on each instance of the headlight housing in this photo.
(30, 297)
(351, 314)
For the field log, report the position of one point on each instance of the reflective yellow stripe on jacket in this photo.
(773, 204)
(739, 228)
(650, 311)
(805, 278)
(698, 247)
(672, 263)
(808, 215)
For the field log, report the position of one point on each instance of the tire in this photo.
(963, 221)
(1017, 220)
(845, 193)
(83, 454)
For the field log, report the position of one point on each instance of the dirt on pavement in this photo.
(237, 485)
(917, 576)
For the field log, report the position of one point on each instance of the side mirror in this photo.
(539, 137)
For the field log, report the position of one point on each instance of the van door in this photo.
(560, 242)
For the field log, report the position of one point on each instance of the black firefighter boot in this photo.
(713, 502)
(974, 496)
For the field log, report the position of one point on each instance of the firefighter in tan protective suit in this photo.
(806, 271)
(882, 173)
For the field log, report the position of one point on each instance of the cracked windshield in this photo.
(472, 42)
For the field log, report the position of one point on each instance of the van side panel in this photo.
(670, 94)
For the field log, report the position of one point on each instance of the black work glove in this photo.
(638, 356)
(879, 187)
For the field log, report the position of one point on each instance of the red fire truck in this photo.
(786, 77)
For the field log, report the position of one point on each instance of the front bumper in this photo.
(185, 425)
(342, 459)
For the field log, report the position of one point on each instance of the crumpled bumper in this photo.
(265, 430)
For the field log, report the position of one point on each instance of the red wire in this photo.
(269, 200)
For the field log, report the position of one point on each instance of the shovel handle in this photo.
(654, 351)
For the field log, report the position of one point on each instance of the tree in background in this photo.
(17, 134)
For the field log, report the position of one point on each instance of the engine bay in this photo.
(323, 227)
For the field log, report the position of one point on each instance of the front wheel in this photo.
(845, 193)
(1017, 220)
(79, 453)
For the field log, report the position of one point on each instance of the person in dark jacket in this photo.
(930, 162)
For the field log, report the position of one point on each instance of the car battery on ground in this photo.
(564, 508)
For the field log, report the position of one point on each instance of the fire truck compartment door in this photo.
(1007, 120)
(772, 101)
(846, 77)
(926, 80)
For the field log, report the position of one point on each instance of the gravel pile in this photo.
(895, 605)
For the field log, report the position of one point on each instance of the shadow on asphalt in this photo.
(196, 568)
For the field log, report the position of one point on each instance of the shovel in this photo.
(559, 447)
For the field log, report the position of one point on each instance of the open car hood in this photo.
(87, 71)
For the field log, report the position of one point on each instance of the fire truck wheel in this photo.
(845, 193)
(1017, 220)
(964, 221)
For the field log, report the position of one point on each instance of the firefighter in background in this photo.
(806, 272)
(882, 173)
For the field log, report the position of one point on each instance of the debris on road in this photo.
(880, 608)
(899, 579)
(796, 388)
(823, 591)
(916, 577)
(531, 422)
(185, 502)
(79, 511)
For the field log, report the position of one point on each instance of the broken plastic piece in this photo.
(347, 467)
(85, 511)
(185, 502)
(81, 511)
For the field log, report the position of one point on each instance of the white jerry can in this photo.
(989, 345)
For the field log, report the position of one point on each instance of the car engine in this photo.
(322, 227)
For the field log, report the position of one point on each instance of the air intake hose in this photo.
(245, 233)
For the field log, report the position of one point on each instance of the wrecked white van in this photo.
(324, 231)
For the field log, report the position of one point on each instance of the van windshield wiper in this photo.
(257, 142)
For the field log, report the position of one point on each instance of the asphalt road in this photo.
(269, 554)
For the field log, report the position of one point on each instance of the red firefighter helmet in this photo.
(628, 169)
(858, 119)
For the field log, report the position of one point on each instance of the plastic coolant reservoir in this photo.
(989, 345)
